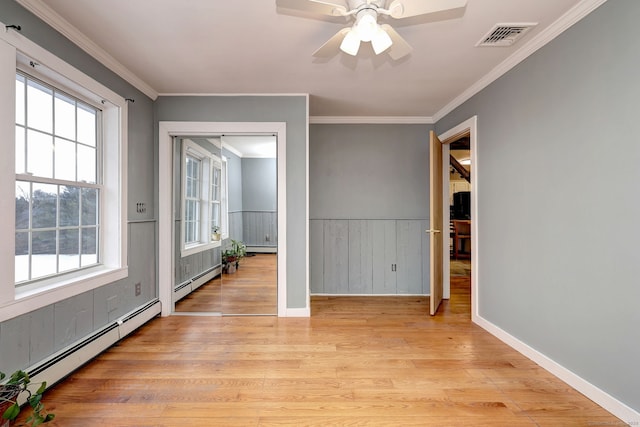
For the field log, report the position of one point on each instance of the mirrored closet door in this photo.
(225, 225)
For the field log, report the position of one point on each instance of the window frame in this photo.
(31, 179)
(208, 160)
(18, 52)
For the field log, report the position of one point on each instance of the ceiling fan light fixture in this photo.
(351, 43)
(366, 27)
(381, 41)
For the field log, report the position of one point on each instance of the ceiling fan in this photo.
(365, 14)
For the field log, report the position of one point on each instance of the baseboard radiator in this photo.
(262, 249)
(188, 286)
(67, 360)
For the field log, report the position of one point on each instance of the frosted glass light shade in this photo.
(381, 41)
(351, 43)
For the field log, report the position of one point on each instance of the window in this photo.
(224, 201)
(192, 200)
(63, 180)
(201, 198)
(215, 200)
(57, 185)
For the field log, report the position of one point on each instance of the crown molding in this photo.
(370, 120)
(58, 23)
(572, 16)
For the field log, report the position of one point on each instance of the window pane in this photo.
(69, 206)
(39, 106)
(89, 246)
(65, 108)
(89, 206)
(86, 125)
(22, 205)
(69, 249)
(44, 200)
(65, 159)
(43, 249)
(86, 164)
(40, 154)
(22, 257)
(20, 166)
(20, 85)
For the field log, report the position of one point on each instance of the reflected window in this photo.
(202, 193)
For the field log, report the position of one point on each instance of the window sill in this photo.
(194, 249)
(27, 300)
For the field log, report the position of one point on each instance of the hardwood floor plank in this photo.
(357, 361)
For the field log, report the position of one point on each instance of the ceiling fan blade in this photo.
(400, 47)
(407, 8)
(332, 46)
(322, 7)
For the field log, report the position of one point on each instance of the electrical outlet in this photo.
(266, 237)
(138, 289)
(141, 207)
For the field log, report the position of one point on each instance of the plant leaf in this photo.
(12, 412)
(42, 388)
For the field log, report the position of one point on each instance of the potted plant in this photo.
(231, 256)
(240, 250)
(11, 390)
(215, 233)
(229, 259)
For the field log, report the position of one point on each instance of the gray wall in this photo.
(289, 109)
(369, 171)
(31, 337)
(259, 184)
(558, 239)
(369, 207)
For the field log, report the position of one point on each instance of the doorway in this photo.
(167, 205)
(226, 186)
(466, 129)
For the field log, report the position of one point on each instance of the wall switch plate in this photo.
(138, 289)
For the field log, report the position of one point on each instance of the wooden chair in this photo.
(461, 234)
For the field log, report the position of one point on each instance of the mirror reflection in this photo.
(225, 228)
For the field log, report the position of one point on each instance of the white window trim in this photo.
(207, 159)
(224, 199)
(15, 301)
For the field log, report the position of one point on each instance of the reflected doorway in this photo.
(225, 224)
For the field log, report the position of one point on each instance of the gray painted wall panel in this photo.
(368, 171)
(360, 257)
(409, 255)
(316, 255)
(41, 334)
(72, 319)
(426, 258)
(259, 184)
(557, 183)
(14, 342)
(336, 256)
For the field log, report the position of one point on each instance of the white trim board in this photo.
(470, 125)
(625, 413)
(166, 131)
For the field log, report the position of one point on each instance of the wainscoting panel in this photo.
(259, 228)
(369, 257)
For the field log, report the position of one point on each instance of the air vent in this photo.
(505, 34)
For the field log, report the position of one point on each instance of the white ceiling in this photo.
(250, 47)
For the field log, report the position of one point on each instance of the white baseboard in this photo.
(298, 312)
(599, 396)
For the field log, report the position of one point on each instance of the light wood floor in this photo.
(357, 362)
(252, 289)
